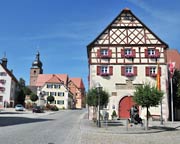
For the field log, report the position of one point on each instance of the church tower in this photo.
(35, 70)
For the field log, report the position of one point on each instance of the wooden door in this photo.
(124, 106)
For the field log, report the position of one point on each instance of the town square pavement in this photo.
(119, 131)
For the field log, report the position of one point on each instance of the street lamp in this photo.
(98, 88)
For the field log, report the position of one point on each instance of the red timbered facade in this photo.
(123, 56)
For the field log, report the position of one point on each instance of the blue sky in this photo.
(61, 30)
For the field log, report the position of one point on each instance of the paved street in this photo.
(73, 127)
(49, 128)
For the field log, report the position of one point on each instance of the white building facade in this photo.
(124, 56)
(8, 86)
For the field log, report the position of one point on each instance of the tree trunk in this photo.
(147, 119)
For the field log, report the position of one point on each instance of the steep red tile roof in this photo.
(78, 82)
(54, 79)
(174, 56)
(43, 78)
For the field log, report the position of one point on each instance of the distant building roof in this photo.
(78, 82)
(173, 56)
(53, 78)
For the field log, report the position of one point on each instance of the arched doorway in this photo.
(124, 106)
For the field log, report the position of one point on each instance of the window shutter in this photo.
(157, 53)
(111, 70)
(147, 71)
(109, 53)
(146, 53)
(122, 53)
(135, 71)
(98, 53)
(159, 70)
(98, 70)
(123, 70)
(133, 53)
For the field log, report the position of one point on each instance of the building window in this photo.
(128, 51)
(60, 102)
(2, 81)
(57, 86)
(104, 70)
(60, 93)
(53, 93)
(152, 71)
(104, 53)
(49, 86)
(151, 52)
(3, 73)
(128, 71)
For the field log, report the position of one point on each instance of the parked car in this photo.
(37, 109)
(19, 107)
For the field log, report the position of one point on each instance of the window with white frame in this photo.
(129, 69)
(49, 86)
(104, 52)
(152, 70)
(57, 86)
(104, 70)
(60, 93)
(151, 51)
(53, 93)
(128, 51)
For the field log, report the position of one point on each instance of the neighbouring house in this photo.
(123, 56)
(8, 85)
(76, 86)
(54, 85)
(174, 56)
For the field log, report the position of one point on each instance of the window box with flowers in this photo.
(153, 75)
(154, 56)
(104, 74)
(129, 74)
(129, 56)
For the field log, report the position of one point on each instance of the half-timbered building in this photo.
(123, 56)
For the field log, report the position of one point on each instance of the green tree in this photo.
(147, 96)
(92, 97)
(33, 97)
(20, 97)
(50, 98)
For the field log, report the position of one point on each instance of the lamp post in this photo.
(99, 88)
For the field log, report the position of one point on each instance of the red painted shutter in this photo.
(159, 70)
(133, 53)
(122, 53)
(111, 70)
(109, 53)
(157, 53)
(135, 70)
(123, 70)
(98, 53)
(146, 53)
(147, 71)
(98, 70)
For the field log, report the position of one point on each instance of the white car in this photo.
(19, 107)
